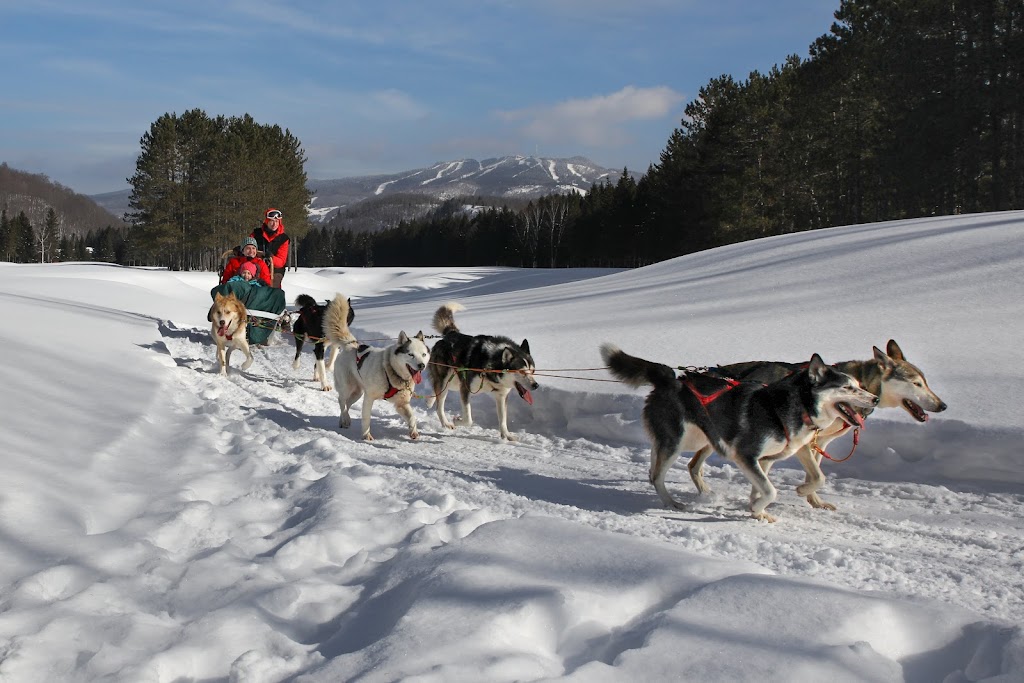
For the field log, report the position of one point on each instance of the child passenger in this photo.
(246, 273)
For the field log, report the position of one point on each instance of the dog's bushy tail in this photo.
(305, 301)
(636, 372)
(336, 320)
(444, 317)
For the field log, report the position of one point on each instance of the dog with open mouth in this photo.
(483, 363)
(360, 371)
(896, 382)
(229, 318)
(750, 423)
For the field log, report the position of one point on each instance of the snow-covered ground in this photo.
(161, 523)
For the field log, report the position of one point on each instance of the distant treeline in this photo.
(907, 108)
(23, 242)
(550, 232)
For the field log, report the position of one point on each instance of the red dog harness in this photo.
(359, 366)
(706, 399)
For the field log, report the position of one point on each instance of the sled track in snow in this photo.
(969, 545)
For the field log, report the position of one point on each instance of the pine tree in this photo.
(6, 241)
(24, 239)
(48, 237)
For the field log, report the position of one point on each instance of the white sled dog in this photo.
(229, 318)
(748, 422)
(390, 373)
(496, 365)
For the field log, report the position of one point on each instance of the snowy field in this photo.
(161, 523)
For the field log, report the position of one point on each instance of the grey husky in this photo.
(496, 365)
(890, 376)
(390, 373)
(749, 423)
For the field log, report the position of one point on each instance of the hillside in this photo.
(511, 177)
(35, 194)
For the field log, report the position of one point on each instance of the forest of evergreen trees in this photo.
(906, 108)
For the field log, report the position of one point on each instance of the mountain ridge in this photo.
(512, 176)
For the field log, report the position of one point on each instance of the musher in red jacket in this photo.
(273, 242)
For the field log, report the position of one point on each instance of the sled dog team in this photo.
(754, 414)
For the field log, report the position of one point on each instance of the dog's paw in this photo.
(367, 436)
(509, 438)
(763, 517)
(414, 435)
(807, 489)
(815, 502)
(326, 387)
(295, 364)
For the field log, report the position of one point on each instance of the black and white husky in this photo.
(896, 382)
(491, 364)
(749, 423)
(310, 327)
(391, 373)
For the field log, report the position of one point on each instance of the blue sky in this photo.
(376, 87)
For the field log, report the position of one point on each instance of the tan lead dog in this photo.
(229, 318)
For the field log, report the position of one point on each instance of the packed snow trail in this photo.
(901, 537)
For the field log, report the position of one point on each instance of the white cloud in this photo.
(599, 120)
(394, 104)
(84, 68)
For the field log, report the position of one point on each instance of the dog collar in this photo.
(805, 417)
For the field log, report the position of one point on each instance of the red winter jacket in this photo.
(273, 244)
(235, 263)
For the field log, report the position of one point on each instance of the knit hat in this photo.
(247, 266)
(249, 240)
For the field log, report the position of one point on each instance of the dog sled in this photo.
(265, 306)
